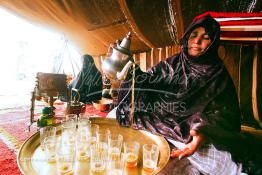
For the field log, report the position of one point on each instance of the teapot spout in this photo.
(122, 75)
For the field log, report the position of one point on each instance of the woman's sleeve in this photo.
(221, 119)
(125, 94)
(144, 83)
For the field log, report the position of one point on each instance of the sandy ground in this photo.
(14, 94)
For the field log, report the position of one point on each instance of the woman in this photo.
(88, 81)
(191, 100)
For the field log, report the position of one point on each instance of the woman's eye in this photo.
(193, 36)
(206, 37)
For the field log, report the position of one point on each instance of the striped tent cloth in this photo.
(237, 24)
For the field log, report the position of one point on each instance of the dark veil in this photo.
(183, 93)
(88, 81)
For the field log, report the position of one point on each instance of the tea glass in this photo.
(83, 122)
(104, 136)
(68, 132)
(116, 166)
(65, 161)
(150, 157)
(99, 158)
(82, 149)
(85, 115)
(131, 153)
(83, 128)
(46, 132)
(50, 148)
(115, 146)
(93, 129)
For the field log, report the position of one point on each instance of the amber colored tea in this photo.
(131, 160)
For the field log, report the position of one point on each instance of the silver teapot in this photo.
(117, 65)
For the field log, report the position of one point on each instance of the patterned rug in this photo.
(14, 132)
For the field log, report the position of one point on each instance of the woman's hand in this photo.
(190, 148)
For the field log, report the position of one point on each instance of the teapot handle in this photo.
(78, 94)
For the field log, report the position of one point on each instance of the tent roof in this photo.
(94, 24)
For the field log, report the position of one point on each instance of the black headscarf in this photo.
(88, 81)
(183, 93)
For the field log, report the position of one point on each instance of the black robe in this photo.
(183, 93)
(88, 81)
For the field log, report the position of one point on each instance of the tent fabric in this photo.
(92, 25)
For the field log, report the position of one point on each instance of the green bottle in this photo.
(46, 118)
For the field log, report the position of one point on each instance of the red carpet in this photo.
(14, 131)
(8, 161)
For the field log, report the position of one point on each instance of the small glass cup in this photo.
(65, 162)
(115, 147)
(85, 115)
(46, 132)
(92, 132)
(83, 122)
(99, 158)
(103, 136)
(82, 150)
(150, 157)
(83, 128)
(131, 153)
(83, 134)
(68, 132)
(50, 148)
(116, 167)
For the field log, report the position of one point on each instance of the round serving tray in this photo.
(31, 159)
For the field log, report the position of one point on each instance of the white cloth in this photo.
(210, 161)
(112, 113)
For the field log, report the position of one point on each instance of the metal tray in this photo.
(31, 159)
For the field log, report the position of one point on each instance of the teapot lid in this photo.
(124, 46)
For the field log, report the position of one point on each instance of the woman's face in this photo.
(198, 42)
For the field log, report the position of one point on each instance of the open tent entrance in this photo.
(25, 50)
